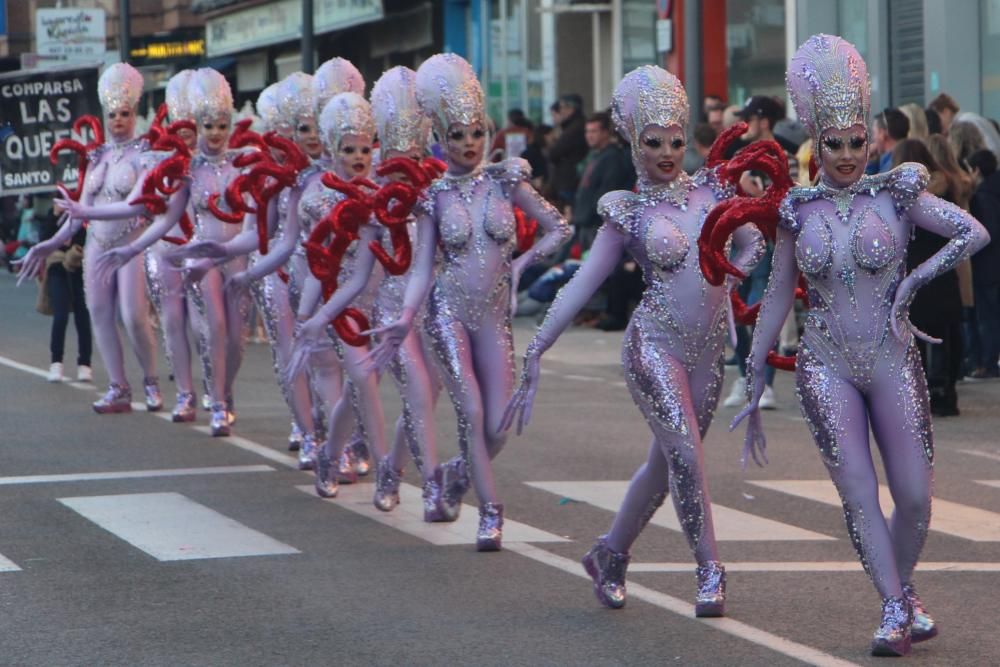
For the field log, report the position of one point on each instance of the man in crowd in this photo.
(888, 129)
(569, 149)
(947, 108)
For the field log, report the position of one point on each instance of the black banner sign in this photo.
(37, 109)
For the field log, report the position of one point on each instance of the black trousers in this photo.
(66, 296)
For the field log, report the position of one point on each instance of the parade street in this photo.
(127, 540)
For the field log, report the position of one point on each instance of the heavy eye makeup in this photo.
(652, 142)
(677, 144)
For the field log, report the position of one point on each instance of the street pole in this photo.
(307, 36)
(124, 28)
(693, 72)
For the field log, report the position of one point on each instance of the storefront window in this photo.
(990, 50)
(852, 18)
(755, 45)
(638, 34)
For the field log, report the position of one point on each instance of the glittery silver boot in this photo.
(361, 457)
(345, 467)
(923, 627)
(326, 480)
(455, 484)
(711, 599)
(219, 422)
(607, 569)
(230, 410)
(118, 398)
(386, 486)
(307, 452)
(893, 635)
(185, 410)
(295, 438)
(490, 533)
(154, 399)
(436, 510)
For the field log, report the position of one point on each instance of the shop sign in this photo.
(71, 34)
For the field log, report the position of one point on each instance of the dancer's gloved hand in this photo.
(754, 441)
(308, 336)
(72, 207)
(31, 265)
(202, 249)
(111, 260)
(194, 272)
(524, 398)
(236, 285)
(900, 317)
(390, 337)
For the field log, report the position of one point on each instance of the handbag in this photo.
(73, 259)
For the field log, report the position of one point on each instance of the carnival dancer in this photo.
(220, 323)
(858, 363)
(403, 131)
(673, 346)
(114, 167)
(469, 213)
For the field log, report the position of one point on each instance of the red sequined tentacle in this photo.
(94, 124)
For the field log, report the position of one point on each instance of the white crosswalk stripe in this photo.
(730, 524)
(409, 517)
(171, 526)
(970, 523)
(995, 483)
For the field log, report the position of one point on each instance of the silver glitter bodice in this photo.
(850, 244)
(477, 236)
(210, 175)
(389, 298)
(111, 176)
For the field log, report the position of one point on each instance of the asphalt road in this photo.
(233, 564)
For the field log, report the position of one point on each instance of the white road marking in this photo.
(7, 565)
(170, 526)
(995, 483)
(131, 474)
(730, 524)
(675, 605)
(970, 523)
(409, 517)
(980, 453)
(810, 566)
(251, 446)
(583, 378)
(17, 365)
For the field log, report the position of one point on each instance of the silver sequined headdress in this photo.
(449, 92)
(179, 106)
(119, 87)
(828, 84)
(648, 95)
(295, 100)
(346, 113)
(210, 94)
(267, 107)
(335, 76)
(400, 124)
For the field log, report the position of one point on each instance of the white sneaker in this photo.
(737, 394)
(84, 374)
(55, 372)
(767, 401)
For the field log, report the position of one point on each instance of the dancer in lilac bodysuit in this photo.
(114, 169)
(469, 213)
(220, 323)
(403, 130)
(673, 347)
(296, 120)
(858, 364)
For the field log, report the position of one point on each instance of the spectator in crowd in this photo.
(918, 120)
(933, 121)
(888, 129)
(607, 168)
(805, 158)
(761, 114)
(965, 139)
(947, 108)
(988, 132)
(937, 307)
(714, 110)
(513, 139)
(62, 287)
(697, 150)
(569, 149)
(536, 155)
(985, 206)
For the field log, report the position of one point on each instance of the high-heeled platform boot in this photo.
(607, 569)
(711, 599)
(490, 533)
(185, 410)
(893, 635)
(118, 398)
(386, 486)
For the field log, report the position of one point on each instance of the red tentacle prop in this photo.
(526, 230)
(243, 136)
(166, 178)
(291, 154)
(392, 206)
(716, 154)
(94, 124)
